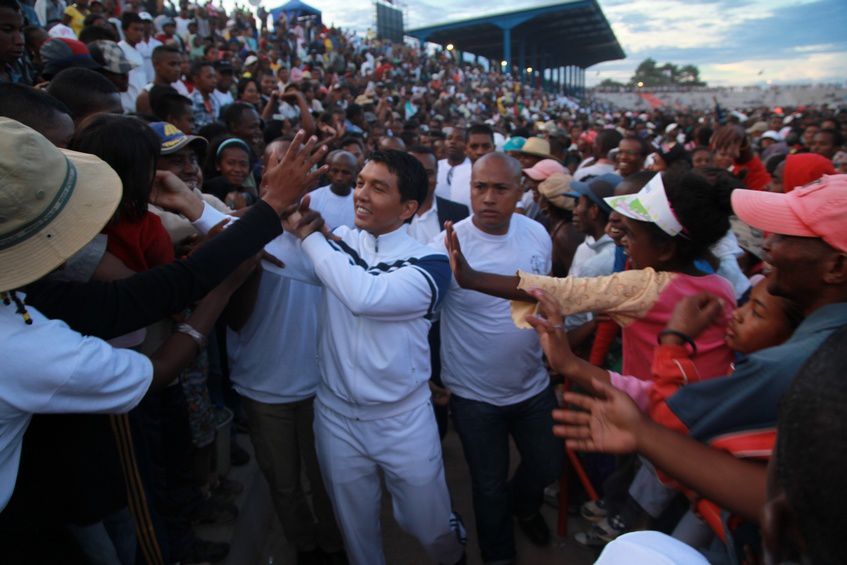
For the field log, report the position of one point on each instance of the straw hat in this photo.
(52, 203)
(556, 188)
(537, 146)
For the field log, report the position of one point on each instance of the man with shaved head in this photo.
(495, 371)
(335, 200)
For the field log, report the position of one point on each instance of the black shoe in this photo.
(238, 455)
(203, 551)
(311, 557)
(335, 557)
(535, 529)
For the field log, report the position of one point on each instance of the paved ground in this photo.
(257, 537)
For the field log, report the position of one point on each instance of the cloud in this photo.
(730, 40)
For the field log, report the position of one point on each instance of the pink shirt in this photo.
(640, 337)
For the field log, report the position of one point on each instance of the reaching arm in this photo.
(554, 340)
(613, 424)
(502, 286)
(410, 291)
(179, 350)
(110, 309)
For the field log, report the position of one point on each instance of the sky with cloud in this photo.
(731, 41)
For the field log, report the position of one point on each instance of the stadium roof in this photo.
(568, 33)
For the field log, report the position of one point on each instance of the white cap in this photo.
(649, 548)
(145, 16)
(671, 127)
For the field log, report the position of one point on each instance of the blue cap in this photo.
(173, 139)
(597, 189)
(514, 143)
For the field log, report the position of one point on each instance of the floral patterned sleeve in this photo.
(625, 296)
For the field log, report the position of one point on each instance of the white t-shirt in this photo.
(179, 86)
(458, 189)
(223, 98)
(336, 210)
(146, 50)
(137, 77)
(593, 258)
(484, 356)
(274, 358)
(182, 27)
(49, 368)
(592, 171)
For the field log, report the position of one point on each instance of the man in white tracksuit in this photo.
(372, 410)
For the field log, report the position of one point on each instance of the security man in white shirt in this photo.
(495, 371)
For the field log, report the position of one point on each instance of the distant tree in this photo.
(651, 74)
(609, 82)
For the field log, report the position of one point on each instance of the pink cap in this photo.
(543, 169)
(814, 210)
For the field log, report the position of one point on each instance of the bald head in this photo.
(502, 161)
(343, 169)
(342, 158)
(394, 143)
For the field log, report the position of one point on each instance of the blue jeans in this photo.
(484, 430)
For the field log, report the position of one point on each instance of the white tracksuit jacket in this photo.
(379, 295)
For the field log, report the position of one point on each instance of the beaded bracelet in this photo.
(681, 336)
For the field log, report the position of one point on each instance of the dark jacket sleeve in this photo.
(110, 309)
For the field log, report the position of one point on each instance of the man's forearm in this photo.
(733, 484)
(502, 286)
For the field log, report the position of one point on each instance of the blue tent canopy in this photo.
(294, 9)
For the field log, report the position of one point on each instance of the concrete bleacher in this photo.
(731, 97)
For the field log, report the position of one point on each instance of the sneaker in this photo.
(458, 527)
(203, 551)
(593, 510)
(535, 529)
(602, 532)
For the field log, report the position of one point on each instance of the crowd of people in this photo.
(212, 224)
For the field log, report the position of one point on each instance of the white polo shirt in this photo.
(484, 356)
(48, 368)
(137, 77)
(454, 183)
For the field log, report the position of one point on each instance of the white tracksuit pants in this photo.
(407, 449)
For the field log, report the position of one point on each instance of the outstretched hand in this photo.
(288, 177)
(693, 314)
(550, 325)
(609, 423)
(462, 271)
